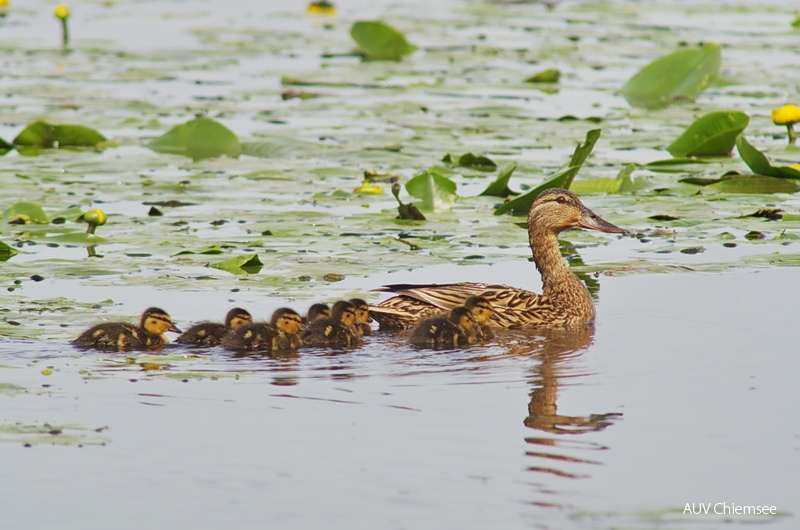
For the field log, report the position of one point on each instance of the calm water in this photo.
(684, 393)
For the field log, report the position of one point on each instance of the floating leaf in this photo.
(713, 134)
(248, 263)
(597, 185)
(279, 147)
(7, 252)
(481, 163)
(755, 184)
(499, 188)
(5, 147)
(25, 213)
(678, 76)
(760, 164)
(561, 179)
(379, 41)
(43, 134)
(438, 193)
(551, 75)
(198, 139)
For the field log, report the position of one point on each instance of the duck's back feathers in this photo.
(112, 336)
(204, 334)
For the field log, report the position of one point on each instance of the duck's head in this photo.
(557, 209)
(157, 321)
(362, 310)
(480, 308)
(317, 311)
(286, 320)
(462, 317)
(237, 317)
(344, 312)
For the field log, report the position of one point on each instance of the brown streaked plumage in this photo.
(316, 311)
(279, 334)
(122, 337)
(448, 332)
(564, 301)
(338, 331)
(362, 315)
(212, 333)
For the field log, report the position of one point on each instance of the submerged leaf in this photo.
(713, 134)
(561, 179)
(43, 134)
(681, 75)
(379, 41)
(249, 263)
(438, 193)
(198, 139)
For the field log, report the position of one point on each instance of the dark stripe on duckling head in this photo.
(286, 320)
(154, 315)
(317, 311)
(237, 317)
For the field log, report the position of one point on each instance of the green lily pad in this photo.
(499, 188)
(713, 134)
(380, 42)
(438, 193)
(760, 164)
(481, 163)
(551, 75)
(198, 139)
(43, 134)
(246, 264)
(51, 434)
(755, 184)
(679, 76)
(7, 252)
(561, 179)
(25, 213)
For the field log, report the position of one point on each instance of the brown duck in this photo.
(564, 301)
(122, 336)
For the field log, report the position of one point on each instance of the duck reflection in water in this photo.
(558, 351)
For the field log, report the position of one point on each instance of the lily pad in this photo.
(25, 213)
(561, 179)
(679, 76)
(379, 41)
(752, 184)
(198, 139)
(713, 134)
(247, 264)
(43, 134)
(7, 252)
(481, 163)
(438, 193)
(499, 188)
(760, 164)
(551, 75)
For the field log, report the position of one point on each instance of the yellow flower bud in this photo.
(4, 4)
(62, 11)
(95, 217)
(322, 7)
(786, 115)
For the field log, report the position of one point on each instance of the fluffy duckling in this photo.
(122, 337)
(212, 333)
(362, 316)
(316, 311)
(338, 331)
(481, 311)
(452, 331)
(280, 334)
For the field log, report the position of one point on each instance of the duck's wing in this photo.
(512, 306)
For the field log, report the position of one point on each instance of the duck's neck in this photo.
(558, 281)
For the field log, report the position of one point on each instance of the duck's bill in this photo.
(173, 328)
(592, 221)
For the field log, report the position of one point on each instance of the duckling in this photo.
(481, 311)
(122, 337)
(455, 330)
(316, 311)
(362, 316)
(212, 333)
(338, 331)
(280, 334)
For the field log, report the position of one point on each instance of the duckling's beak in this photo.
(173, 328)
(592, 221)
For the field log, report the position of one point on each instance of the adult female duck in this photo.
(564, 301)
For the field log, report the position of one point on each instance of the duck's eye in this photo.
(561, 199)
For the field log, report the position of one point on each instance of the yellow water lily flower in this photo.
(4, 4)
(367, 186)
(787, 115)
(321, 7)
(62, 11)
